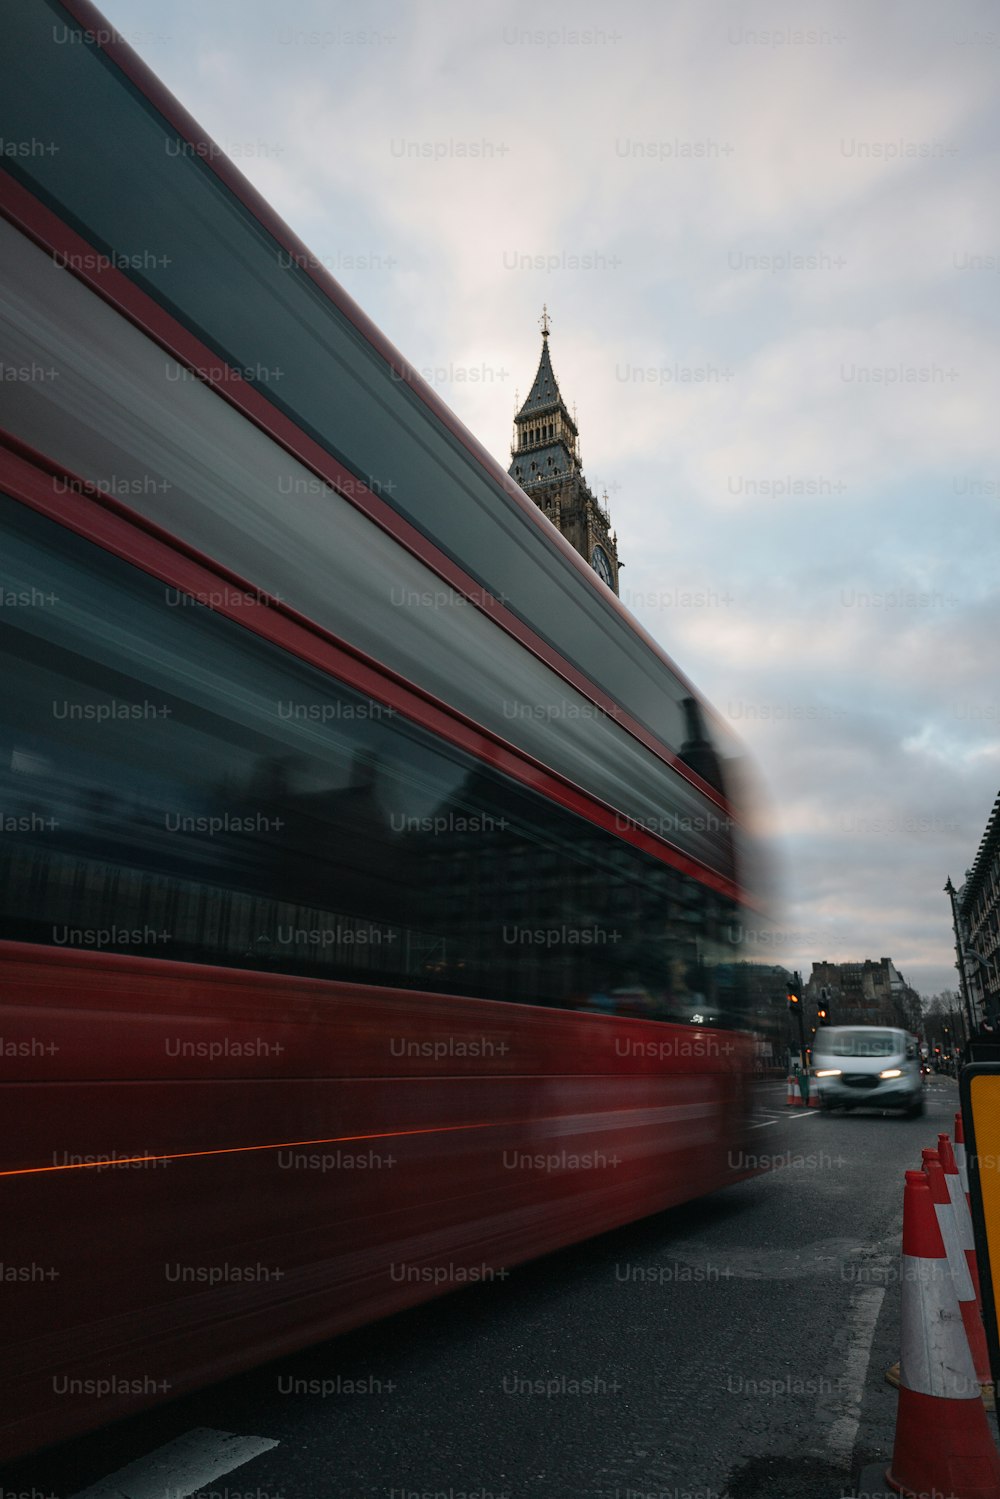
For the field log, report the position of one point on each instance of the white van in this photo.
(867, 1066)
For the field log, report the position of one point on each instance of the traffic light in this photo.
(823, 1011)
(793, 1000)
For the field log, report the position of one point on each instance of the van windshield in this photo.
(860, 1043)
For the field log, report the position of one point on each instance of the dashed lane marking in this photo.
(181, 1467)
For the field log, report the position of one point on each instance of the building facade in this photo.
(866, 993)
(978, 909)
(545, 461)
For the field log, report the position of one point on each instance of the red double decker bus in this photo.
(370, 882)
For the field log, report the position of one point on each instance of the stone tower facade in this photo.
(545, 461)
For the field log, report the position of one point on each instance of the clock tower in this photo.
(545, 461)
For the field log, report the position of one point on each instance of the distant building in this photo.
(867, 993)
(978, 905)
(768, 986)
(545, 461)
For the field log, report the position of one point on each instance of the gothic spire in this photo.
(545, 395)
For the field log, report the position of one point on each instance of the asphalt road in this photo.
(731, 1349)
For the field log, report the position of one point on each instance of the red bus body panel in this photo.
(272, 1160)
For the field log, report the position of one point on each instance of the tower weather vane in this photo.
(544, 321)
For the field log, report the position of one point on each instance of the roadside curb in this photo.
(871, 1483)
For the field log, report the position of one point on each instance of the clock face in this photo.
(602, 567)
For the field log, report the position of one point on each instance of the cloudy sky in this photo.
(769, 240)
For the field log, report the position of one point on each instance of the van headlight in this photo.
(891, 1072)
(828, 1072)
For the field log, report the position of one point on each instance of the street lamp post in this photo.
(960, 953)
(795, 1008)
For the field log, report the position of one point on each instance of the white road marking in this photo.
(181, 1467)
(803, 1113)
(764, 1125)
(862, 1316)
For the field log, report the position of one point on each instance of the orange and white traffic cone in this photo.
(943, 1443)
(963, 1216)
(813, 1092)
(968, 1302)
(793, 1098)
